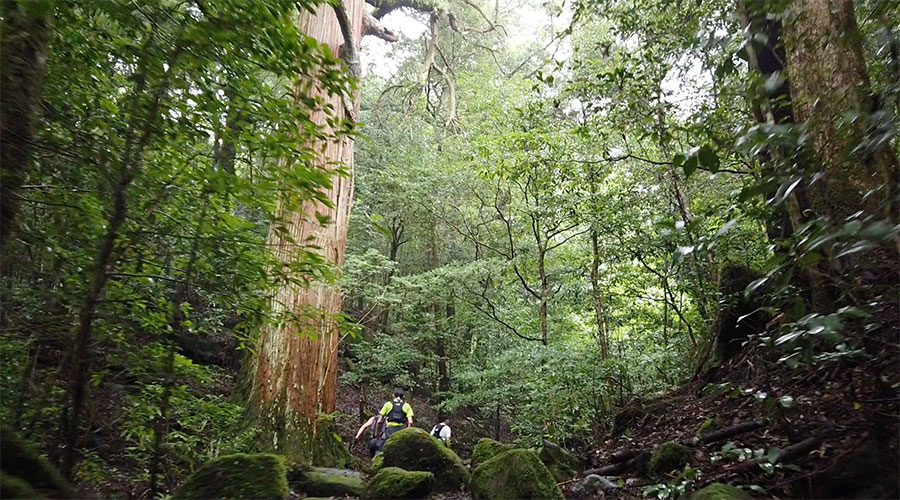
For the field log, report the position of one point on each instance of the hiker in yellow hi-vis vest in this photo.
(398, 413)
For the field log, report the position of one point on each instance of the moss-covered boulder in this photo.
(668, 457)
(720, 491)
(414, 450)
(559, 462)
(514, 474)
(486, 449)
(22, 465)
(396, 483)
(238, 476)
(326, 482)
(377, 463)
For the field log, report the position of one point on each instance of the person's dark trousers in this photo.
(391, 429)
(375, 446)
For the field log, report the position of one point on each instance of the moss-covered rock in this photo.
(559, 462)
(486, 449)
(326, 482)
(413, 449)
(668, 457)
(720, 491)
(396, 483)
(238, 476)
(22, 464)
(709, 425)
(514, 474)
(377, 463)
(16, 487)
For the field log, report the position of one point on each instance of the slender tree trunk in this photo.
(396, 241)
(23, 54)
(443, 365)
(295, 368)
(831, 93)
(597, 294)
(545, 294)
(176, 330)
(131, 164)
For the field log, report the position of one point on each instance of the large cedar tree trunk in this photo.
(295, 372)
(829, 81)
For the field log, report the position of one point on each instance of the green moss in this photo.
(709, 425)
(16, 487)
(292, 437)
(514, 474)
(668, 457)
(559, 462)
(396, 483)
(238, 476)
(323, 481)
(486, 449)
(21, 461)
(377, 462)
(720, 491)
(414, 449)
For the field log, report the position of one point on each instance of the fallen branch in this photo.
(624, 455)
(730, 431)
(610, 470)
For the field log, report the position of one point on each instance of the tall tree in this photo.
(295, 369)
(830, 91)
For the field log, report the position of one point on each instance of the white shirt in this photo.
(445, 431)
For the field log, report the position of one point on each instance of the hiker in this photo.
(376, 440)
(442, 431)
(398, 413)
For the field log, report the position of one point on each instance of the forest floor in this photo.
(818, 431)
(828, 431)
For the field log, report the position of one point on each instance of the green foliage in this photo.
(719, 491)
(206, 426)
(237, 477)
(170, 131)
(676, 488)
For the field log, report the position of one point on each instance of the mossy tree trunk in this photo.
(295, 367)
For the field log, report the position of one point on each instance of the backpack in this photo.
(436, 432)
(397, 415)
